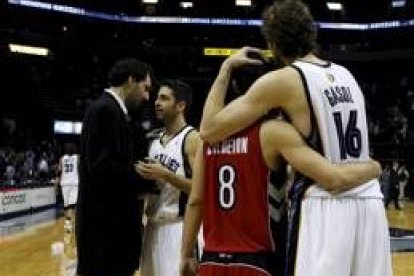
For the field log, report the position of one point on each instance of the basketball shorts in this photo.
(162, 248)
(236, 264)
(342, 237)
(70, 194)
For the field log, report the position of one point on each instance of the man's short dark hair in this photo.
(182, 92)
(125, 68)
(289, 25)
(243, 77)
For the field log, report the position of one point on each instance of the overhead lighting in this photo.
(334, 6)
(398, 3)
(245, 3)
(150, 1)
(186, 4)
(29, 50)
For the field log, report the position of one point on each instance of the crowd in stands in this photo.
(389, 101)
(24, 163)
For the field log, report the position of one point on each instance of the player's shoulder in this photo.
(338, 66)
(154, 135)
(284, 75)
(192, 139)
(192, 134)
(286, 79)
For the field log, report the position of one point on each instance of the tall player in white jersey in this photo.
(69, 182)
(170, 164)
(359, 245)
(340, 235)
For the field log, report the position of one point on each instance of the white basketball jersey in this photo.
(338, 105)
(170, 202)
(70, 174)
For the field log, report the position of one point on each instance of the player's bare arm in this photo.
(191, 143)
(193, 217)
(153, 170)
(279, 88)
(279, 137)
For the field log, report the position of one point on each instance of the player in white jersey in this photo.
(69, 177)
(359, 245)
(346, 234)
(170, 165)
(69, 183)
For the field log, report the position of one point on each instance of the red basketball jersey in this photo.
(236, 210)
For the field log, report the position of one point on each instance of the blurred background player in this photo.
(403, 176)
(69, 183)
(393, 194)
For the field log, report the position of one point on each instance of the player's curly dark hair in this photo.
(289, 26)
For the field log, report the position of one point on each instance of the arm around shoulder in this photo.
(267, 92)
(332, 177)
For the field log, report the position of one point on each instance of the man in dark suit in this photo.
(109, 213)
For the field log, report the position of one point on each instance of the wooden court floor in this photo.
(28, 253)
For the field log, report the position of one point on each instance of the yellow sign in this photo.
(225, 52)
(221, 52)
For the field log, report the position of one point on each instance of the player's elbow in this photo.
(335, 181)
(204, 134)
(340, 182)
(195, 202)
(377, 169)
(207, 135)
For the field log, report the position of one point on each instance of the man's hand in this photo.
(242, 57)
(188, 267)
(151, 170)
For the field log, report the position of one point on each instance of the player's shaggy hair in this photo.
(289, 26)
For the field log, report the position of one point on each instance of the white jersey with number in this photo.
(70, 174)
(339, 131)
(169, 204)
(338, 105)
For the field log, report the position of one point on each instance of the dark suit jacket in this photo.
(109, 215)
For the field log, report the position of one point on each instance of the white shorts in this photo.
(70, 194)
(162, 248)
(342, 237)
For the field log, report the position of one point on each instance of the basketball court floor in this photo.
(26, 244)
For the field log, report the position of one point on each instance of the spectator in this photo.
(403, 177)
(393, 186)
